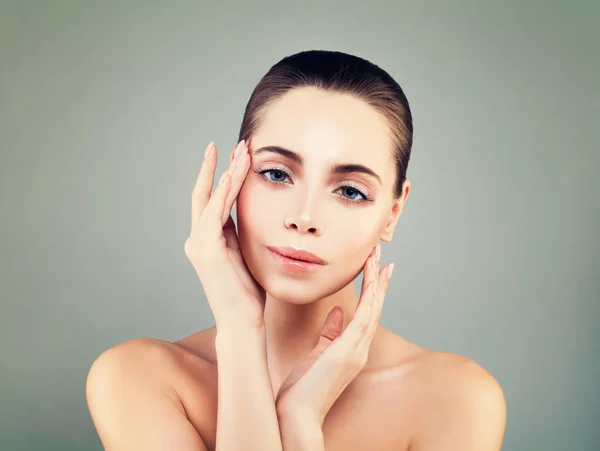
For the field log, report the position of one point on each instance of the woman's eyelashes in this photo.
(277, 176)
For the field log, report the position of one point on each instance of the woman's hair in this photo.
(340, 73)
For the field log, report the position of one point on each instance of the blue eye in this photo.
(278, 173)
(350, 190)
(281, 175)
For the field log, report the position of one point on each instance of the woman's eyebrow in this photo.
(336, 169)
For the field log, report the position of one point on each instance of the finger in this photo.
(362, 315)
(234, 152)
(359, 323)
(230, 169)
(368, 269)
(377, 292)
(238, 175)
(382, 286)
(372, 274)
(204, 182)
(332, 328)
(215, 206)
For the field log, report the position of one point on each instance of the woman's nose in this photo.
(303, 224)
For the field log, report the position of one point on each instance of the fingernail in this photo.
(208, 150)
(390, 270)
(378, 252)
(240, 158)
(240, 147)
(222, 177)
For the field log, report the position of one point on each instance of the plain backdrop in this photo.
(106, 108)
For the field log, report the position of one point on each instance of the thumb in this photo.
(332, 328)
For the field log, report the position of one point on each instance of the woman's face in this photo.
(304, 203)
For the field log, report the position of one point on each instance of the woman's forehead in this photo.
(314, 121)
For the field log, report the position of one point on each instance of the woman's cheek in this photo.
(255, 209)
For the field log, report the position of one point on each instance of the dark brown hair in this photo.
(341, 73)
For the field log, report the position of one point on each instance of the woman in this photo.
(318, 179)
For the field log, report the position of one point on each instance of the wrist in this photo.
(299, 432)
(297, 415)
(235, 326)
(293, 407)
(234, 332)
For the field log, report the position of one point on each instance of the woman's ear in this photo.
(390, 226)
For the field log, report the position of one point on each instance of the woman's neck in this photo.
(292, 330)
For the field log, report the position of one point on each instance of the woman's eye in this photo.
(350, 194)
(279, 175)
(351, 191)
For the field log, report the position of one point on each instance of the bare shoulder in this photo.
(422, 399)
(462, 406)
(448, 369)
(136, 385)
(161, 358)
(456, 378)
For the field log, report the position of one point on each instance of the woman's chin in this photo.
(291, 292)
(292, 296)
(298, 292)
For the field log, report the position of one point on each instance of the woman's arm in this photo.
(246, 416)
(301, 434)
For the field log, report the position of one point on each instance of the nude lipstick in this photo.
(296, 261)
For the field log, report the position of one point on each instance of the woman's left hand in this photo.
(312, 387)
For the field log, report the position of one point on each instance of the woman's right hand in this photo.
(213, 249)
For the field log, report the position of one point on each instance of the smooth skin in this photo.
(343, 382)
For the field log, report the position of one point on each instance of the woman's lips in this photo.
(293, 265)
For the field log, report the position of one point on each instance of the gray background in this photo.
(106, 107)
